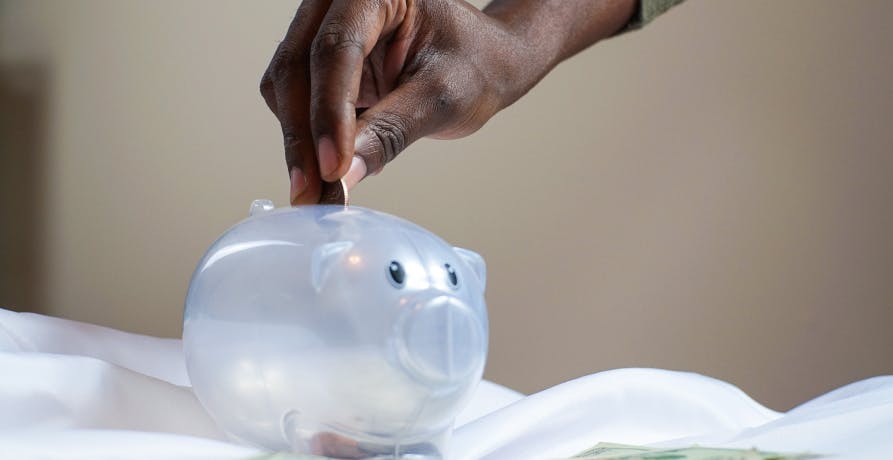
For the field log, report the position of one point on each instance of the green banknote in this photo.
(610, 451)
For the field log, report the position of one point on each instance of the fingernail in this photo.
(298, 182)
(328, 157)
(355, 173)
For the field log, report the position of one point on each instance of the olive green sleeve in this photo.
(647, 10)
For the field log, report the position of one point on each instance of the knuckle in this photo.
(290, 138)
(446, 97)
(333, 38)
(390, 130)
(282, 66)
(294, 151)
(266, 86)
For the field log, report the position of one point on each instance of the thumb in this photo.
(413, 110)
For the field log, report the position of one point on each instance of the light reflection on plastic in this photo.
(239, 247)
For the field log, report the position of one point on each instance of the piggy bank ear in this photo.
(325, 259)
(476, 262)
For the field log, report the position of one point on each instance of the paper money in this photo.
(610, 451)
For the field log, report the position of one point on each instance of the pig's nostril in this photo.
(441, 341)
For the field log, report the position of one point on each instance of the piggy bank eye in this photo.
(451, 275)
(396, 274)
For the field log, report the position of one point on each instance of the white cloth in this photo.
(70, 390)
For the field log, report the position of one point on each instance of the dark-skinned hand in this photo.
(354, 82)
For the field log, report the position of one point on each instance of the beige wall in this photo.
(710, 194)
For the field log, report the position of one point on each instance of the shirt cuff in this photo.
(646, 11)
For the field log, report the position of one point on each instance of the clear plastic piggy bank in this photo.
(336, 331)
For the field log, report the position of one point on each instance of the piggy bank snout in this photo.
(441, 340)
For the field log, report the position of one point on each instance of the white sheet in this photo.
(70, 390)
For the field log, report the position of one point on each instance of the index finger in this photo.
(288, 79)
(347, 35)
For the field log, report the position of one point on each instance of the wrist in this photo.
(518, 57)
(546, 32)
(533, 50)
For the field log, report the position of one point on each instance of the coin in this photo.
(334, 193)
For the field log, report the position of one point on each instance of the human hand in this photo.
(355, 82)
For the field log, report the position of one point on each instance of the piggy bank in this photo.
(336, 331)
